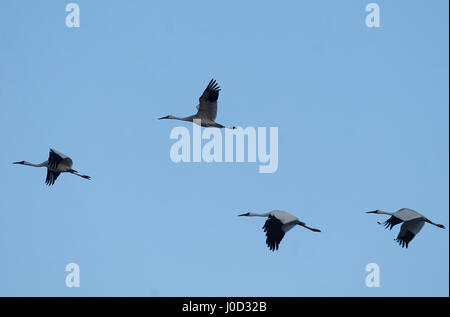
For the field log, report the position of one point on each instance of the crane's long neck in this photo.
(190, 118)
(43, 164)
(381, 212)
(254, 214)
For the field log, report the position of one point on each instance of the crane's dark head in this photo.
(373, 212)
(166, 117)
(246, 214)
(20, 162)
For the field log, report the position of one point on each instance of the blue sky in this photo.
(363, 124)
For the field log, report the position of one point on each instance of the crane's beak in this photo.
(246, 214)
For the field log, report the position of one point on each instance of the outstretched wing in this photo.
(56, 160)
(391, 222)
(51, 177)
(208, 101)
(274, 233)
(408, 231)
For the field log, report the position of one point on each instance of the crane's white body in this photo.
(206, 109)
(278, 223)
(406, 214)
(289, 221)
(412, 222)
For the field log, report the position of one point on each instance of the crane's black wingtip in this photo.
(213, 86)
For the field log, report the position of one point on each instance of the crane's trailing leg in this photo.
(76, 173)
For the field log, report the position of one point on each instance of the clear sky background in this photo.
(363, 125)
